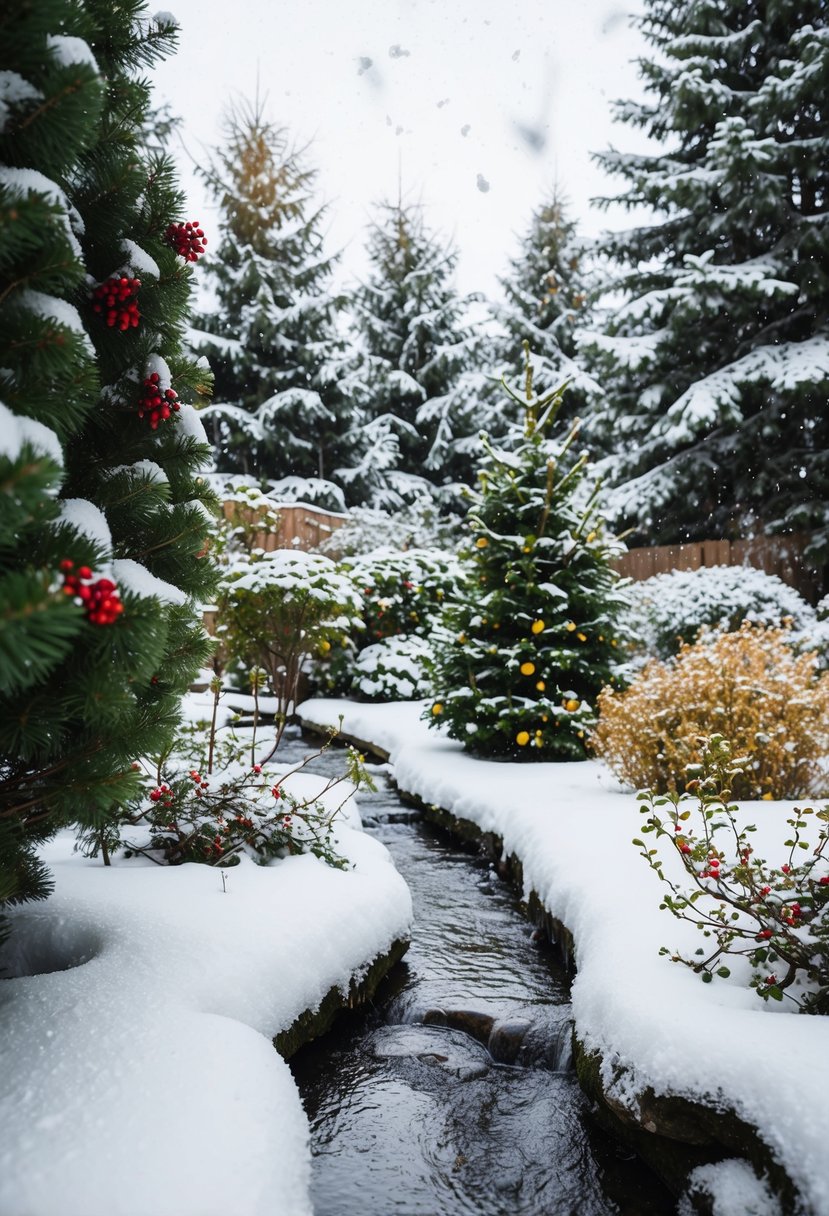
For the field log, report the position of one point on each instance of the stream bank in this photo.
(454, 1092)
(673, 1133)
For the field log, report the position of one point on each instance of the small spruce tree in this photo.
(523, 652)
(412, 347)
(271, 337)
(103, 518)
(547, 293)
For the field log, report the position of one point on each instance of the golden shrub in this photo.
(749, 686)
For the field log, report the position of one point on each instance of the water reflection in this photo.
(453, 1094)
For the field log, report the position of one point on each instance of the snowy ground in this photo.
(140, 1079)
(571, 825)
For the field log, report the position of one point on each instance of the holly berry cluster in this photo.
(115, 300)
(156, 403)
(100, 597)
(775, 914)
(188, 240)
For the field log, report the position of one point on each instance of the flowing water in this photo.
(453, 1094)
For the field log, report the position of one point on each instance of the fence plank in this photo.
(780, 555)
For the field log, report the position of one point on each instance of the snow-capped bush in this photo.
(401, 595)
(749, 686)
(392, 670)
(775, 914)
(670, 609)
(418, 524)
(278, 608)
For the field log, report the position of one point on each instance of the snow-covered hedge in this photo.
(392, 670)
(670, 609)
(402, 595)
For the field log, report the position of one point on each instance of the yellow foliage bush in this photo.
(749, 686)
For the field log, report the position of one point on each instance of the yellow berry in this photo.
(461, 638)
(537, 626)
(582, 637)
(325, 646)
(481, 542)
(522, 738)
(767, 797)
(544, 718)
(590, 537)
(541, 685)
(570, 626)
(527, 669)
(437, 708)
(581, 734)
(572, 705)
(612, 641)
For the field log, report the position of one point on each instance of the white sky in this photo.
(529, 82)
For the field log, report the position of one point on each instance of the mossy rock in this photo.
(674, 1134)
(315, 1022)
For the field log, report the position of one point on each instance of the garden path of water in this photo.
(453, 1094)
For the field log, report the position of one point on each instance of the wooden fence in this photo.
(301, 526)
(780, 555)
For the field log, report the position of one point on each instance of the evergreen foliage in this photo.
(716, 366)
(103, 516)
(271, 338)
(547, 293)
(413, 347)
(527, 646)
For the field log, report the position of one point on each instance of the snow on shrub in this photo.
(393, 670)
(277, 608)
(402, 595)
(415, 525)
(775, 914)
(749, 686)
(220, 805)
(670, 609)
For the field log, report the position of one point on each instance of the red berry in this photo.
(188, 240)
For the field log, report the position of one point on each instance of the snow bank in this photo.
(653, 1021)
(144, 1081)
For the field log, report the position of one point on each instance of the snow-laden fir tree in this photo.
(717, 365)
(413, 345)
(271, 333)
(547, 291)
(103, 524)
(525, 649)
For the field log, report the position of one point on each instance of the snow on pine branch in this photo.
(705, 403)
(131, 576)
(87, 519)
(20, 182)
(17, 432)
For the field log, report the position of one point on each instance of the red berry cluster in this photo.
(157, 403)
(115, 299)
(188, 240)
(100, 598)
(201, 783)
(162, 794)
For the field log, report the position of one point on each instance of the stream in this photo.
(453, 1094)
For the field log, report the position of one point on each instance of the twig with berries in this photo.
(767, 914)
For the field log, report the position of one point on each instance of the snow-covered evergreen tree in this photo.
(271, 338)
(531, 639)
(716, 367)
(103, 522)
(413, 346)
(546, 296)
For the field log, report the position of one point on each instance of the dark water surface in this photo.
(454, 1093)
